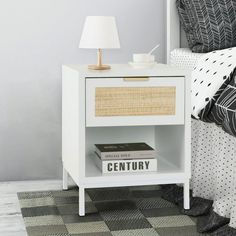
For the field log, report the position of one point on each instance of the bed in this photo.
(213, 150)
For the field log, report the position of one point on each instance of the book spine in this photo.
(126, 166)
(127, 155)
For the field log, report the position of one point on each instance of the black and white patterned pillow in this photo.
(209, 24)
(210, 77)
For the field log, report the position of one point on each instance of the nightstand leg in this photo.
(65, 179)
(81, 201)
(186, 195)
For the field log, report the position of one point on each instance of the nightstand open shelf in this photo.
(154, 110)
(161, 138)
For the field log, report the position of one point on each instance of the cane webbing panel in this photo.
(135, 101)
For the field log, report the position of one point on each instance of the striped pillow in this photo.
(209, 24)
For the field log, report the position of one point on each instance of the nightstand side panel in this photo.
(72, 124)
(188, 130)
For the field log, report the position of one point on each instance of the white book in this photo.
(125, 166)
(127, 155)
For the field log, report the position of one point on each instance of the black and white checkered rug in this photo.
(136, 211)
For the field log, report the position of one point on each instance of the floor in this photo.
(11, 222)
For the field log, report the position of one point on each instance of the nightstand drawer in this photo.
(134, 101)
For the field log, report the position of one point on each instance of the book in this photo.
(125, 151)
(125, 166)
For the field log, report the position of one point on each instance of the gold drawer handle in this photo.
(133, 79)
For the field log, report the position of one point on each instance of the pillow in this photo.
(209, 24)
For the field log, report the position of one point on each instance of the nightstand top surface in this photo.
(121, 70)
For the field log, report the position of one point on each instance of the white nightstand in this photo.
(126, 105)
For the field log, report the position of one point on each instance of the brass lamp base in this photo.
(99, 67)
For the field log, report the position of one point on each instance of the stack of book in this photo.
(125, 158)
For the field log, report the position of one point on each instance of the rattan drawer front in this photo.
(120, 102)
(135, 101)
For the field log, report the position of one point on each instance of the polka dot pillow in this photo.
(212, 70)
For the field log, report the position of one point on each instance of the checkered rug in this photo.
(136, 211)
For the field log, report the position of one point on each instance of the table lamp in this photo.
(100, 32)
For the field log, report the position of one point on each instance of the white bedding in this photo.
(213, 155)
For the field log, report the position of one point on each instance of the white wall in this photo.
(36, 37)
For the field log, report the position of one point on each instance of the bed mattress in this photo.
(213, 154)
(184, 58)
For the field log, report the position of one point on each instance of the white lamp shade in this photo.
(100, 32)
